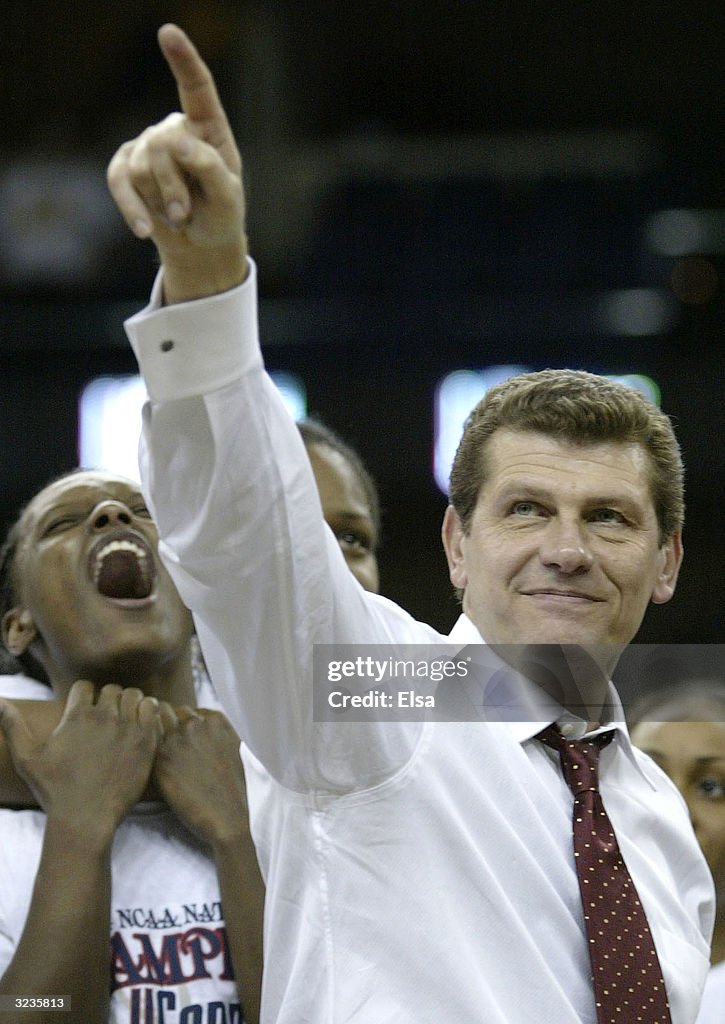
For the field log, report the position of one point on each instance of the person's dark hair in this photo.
(691, 700)
(10, 663)
(25, 662)
(579, 408)
(314, 432)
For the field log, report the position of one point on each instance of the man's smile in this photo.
(556, 594)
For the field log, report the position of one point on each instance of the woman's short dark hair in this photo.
(11, 664)
(314, 432)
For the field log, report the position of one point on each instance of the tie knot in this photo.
(579, 758)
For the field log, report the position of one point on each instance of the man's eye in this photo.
(526, 508)
(713, 789)
(607, 515)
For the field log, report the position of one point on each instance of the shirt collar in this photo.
(522, 729)
(464, 632)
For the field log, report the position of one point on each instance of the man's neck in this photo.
(576, 678)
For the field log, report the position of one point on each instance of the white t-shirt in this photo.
(169, 952)
(20, 687)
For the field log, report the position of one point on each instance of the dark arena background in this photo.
(432, 187)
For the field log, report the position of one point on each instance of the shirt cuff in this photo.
(192, 348)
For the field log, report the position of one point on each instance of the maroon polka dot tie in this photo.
(626, 973)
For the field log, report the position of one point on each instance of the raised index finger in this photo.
(197, 92)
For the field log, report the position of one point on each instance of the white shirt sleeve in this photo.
(233, 494)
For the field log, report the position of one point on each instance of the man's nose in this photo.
(565, 545)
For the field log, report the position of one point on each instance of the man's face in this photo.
(94, 600)
(563, 545)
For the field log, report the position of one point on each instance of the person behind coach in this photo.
(682, 728)
(416, 871)
(349, 499)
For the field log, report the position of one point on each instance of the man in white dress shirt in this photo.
(417, 871)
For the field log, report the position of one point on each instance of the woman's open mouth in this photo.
(122, 567)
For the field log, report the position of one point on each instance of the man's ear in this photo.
(18, 630)
(671, 554)
(452, 535)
